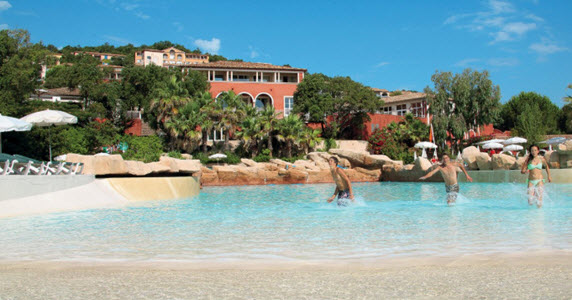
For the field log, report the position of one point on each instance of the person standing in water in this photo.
(343, 185)
(533, 166)
(448, 170)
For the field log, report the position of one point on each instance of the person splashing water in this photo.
(448, 170)
(344, 189)
(535, 181)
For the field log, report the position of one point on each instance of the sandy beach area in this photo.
(527, 276)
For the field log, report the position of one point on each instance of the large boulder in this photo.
(318, 157)
(470, 157)
(249, 176)
(421, 164)
(502, 162)
(554, 160)
(483, 161)
(100, 164)
(519, 162)
(363, 159)
(248, 162)
(280, 163)
(137, 168)
(188, 166)
(226, 173)
(308, 165)
(321, 176)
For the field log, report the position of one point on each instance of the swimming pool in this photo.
(294, 223)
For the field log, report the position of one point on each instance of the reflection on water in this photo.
(294, 222)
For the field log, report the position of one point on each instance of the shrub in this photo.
(231, 158)
(262, 157)
(175, 154)
(143, 148)
(203, 157)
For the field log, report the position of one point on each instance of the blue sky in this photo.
(526, 45)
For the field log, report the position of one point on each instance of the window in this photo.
(374, 127)
(240, 78)
(148, 57)
(387, 110)
(417, 109)
(288, 105)
(219, 78)
(165, 56)
(179, 57)
(401, 109)
(218, 135)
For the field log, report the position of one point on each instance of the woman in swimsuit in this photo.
(533, 166)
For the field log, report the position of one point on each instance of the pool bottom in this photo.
(522, 276)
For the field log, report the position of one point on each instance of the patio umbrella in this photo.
(513, 148)
(493, 146)
(425, 145)
(12, 124)
(554, 141)
(50, 117)
(515, 140)
(217, 156)
(491, 141)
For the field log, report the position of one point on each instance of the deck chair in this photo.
(7, 162)
(30, 168)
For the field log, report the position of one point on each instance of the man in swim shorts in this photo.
(343, 185)
(449, 171)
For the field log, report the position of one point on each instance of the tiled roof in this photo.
(379, 90)
(405, 96)
(242, 65)
(63, 91)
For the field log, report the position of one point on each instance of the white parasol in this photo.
(553, 141)
(493, 146)
(424, 145)
(491, 141)
(515, 140)
(50, 117)
(12, 124)
(513, 148)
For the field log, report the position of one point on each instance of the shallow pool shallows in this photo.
(294, 223)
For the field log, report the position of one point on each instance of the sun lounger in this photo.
(30, 168)
(7, 162)
(50, 168)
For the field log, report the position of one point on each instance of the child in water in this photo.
(343, 185)
(448, 170)
(535, 181)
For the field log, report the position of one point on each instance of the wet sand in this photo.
(538, 276)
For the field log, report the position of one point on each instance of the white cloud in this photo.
(519, 28)
(179, 26)
(4, 5)
(211, 46)
(503, 62)
(4, 26)
(455, 18)
(129, 6)
(546, 47)
(141, 15)
(534, 18)
(117, 39)
(381, 64)
(499, 7)
(466, 62)
(253, 52)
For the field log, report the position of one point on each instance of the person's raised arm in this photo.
(430, 173)
(547, 169)
(469, 179)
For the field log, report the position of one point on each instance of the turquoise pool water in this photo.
(294, 223)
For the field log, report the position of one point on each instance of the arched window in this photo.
(172, 54)
(179, 57)
(165, 56)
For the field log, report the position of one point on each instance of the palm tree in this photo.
(232, 113)
(169, 97)
(568, 98)
(211, 114)
(250, 134)
(310, 138)
(269, 120)
(289, 130)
